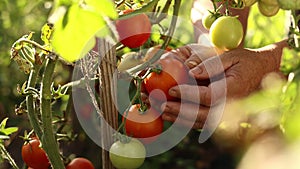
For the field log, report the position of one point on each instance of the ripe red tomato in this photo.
(226, 32)
(143, 125)
(80, 163)
(129, 155)
(34, 156)
(173, 73)
(133, 31)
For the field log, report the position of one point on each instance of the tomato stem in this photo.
(48, 139)
(32, 113)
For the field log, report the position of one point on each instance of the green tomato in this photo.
(267, 10)
(289, 4)
(208, 19)
(270, 2)
(129, 155)
(226, 33)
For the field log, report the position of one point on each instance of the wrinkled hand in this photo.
(233, 74)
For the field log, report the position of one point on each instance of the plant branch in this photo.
(48, 140)
(32, 114)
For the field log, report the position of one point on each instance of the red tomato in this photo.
(173, 73)
(80, 163)
(34, 156)
(133, 31)
(143, 125)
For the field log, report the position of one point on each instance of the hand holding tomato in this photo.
(173, 72)
(243, 71)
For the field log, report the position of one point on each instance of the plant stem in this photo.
(8, 157)
(30, 102)
(49, 142)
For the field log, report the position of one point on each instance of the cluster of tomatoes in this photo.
(144, 126)
(226, 32)
(35, 157)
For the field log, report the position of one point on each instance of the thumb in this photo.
(214, 66)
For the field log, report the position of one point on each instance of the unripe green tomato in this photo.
(289, 4)
(129, 155)
(226, 33)
(267, 10)
(270, 2)
(208, 19)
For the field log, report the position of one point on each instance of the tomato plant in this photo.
(143, 124)
(226, 32)
(80, 163)
(127, 155)
(173, 73)
(34, 156)
(133, 31)
(208, 19)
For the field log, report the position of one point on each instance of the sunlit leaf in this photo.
(3, 123)
(9, 130)
(73, 40)
(103, 7)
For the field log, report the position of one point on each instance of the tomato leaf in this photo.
(6, 131)
(75, 30)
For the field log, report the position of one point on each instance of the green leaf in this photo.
(103, 7)
(3, 124)
(9, 130)
(74, 33)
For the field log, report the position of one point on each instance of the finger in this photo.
(214, 66)
(182, 52)
(181, 121)
(187, 111)
(204, 95)
(193, 61)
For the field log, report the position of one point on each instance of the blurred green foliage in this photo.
(16, 19)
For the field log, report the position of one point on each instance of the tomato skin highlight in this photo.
(226, 33)
(147, 125)
(129, 155)
(134, 31)
(80, 163)
(173, 73)
(34, 156)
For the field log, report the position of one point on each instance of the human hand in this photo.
(233, 74)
